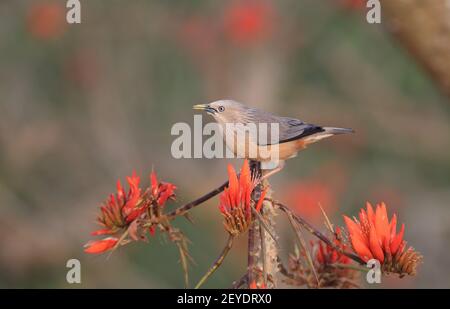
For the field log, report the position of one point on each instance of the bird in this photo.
(293, 134)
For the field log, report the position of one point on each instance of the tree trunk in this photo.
(262, 248)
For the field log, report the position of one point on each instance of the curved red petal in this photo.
(120, 191)
(381, 223)
(261, 200)
(233, 186)
(395, 244)
(102, 232)
(154, 183)
(100, 246)
(354, 229)
(361, 249)
(393, 228)
(370, 213)
(375, 245)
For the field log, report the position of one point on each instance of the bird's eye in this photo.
(221, 108)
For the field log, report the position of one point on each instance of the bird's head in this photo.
(224, 111)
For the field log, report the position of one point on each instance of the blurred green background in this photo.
(83, 105)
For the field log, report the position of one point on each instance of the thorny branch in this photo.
(316, 232)
(238, 283)
(249, 277)
(134, 213)
(182, 210)
(302, 244)
(218, 262)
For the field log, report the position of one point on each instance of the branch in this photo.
(182, 210)
(238, 283)
(302, 244)
(218, 262)
(317, 233)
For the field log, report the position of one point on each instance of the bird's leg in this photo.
(273, 171)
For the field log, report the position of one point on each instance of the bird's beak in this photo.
(204, 107)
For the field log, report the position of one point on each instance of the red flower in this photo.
(122, 211)
(327, 255)
(235, 201)
(374, 236)
(248, 22)
(254, 286)
(100, 246)
(161, 191)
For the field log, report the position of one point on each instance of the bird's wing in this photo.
(291, 129)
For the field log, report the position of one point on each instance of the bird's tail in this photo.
(326, 132)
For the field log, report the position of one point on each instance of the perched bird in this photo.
(292, 135)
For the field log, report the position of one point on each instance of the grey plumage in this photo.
(290, 129)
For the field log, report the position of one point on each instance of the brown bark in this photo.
(423, 28)
(262, 248)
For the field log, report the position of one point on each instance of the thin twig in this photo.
(317, 233)
(327, 220)
(349, 266)
(184, 264)
(186, 207)
(302, 244)
(237, 284)
(118, 243)
(218, 262)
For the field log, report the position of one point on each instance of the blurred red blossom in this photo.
(321, 191)
(121, 211)
(374, 236)
(46, 21)
(235, 201)
(248, 22)
(306, 198)
(353, 4)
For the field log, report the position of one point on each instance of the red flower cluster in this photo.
(330, 268)
(235, 201)
(327, 255)
(374, 236)
(122, 210)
